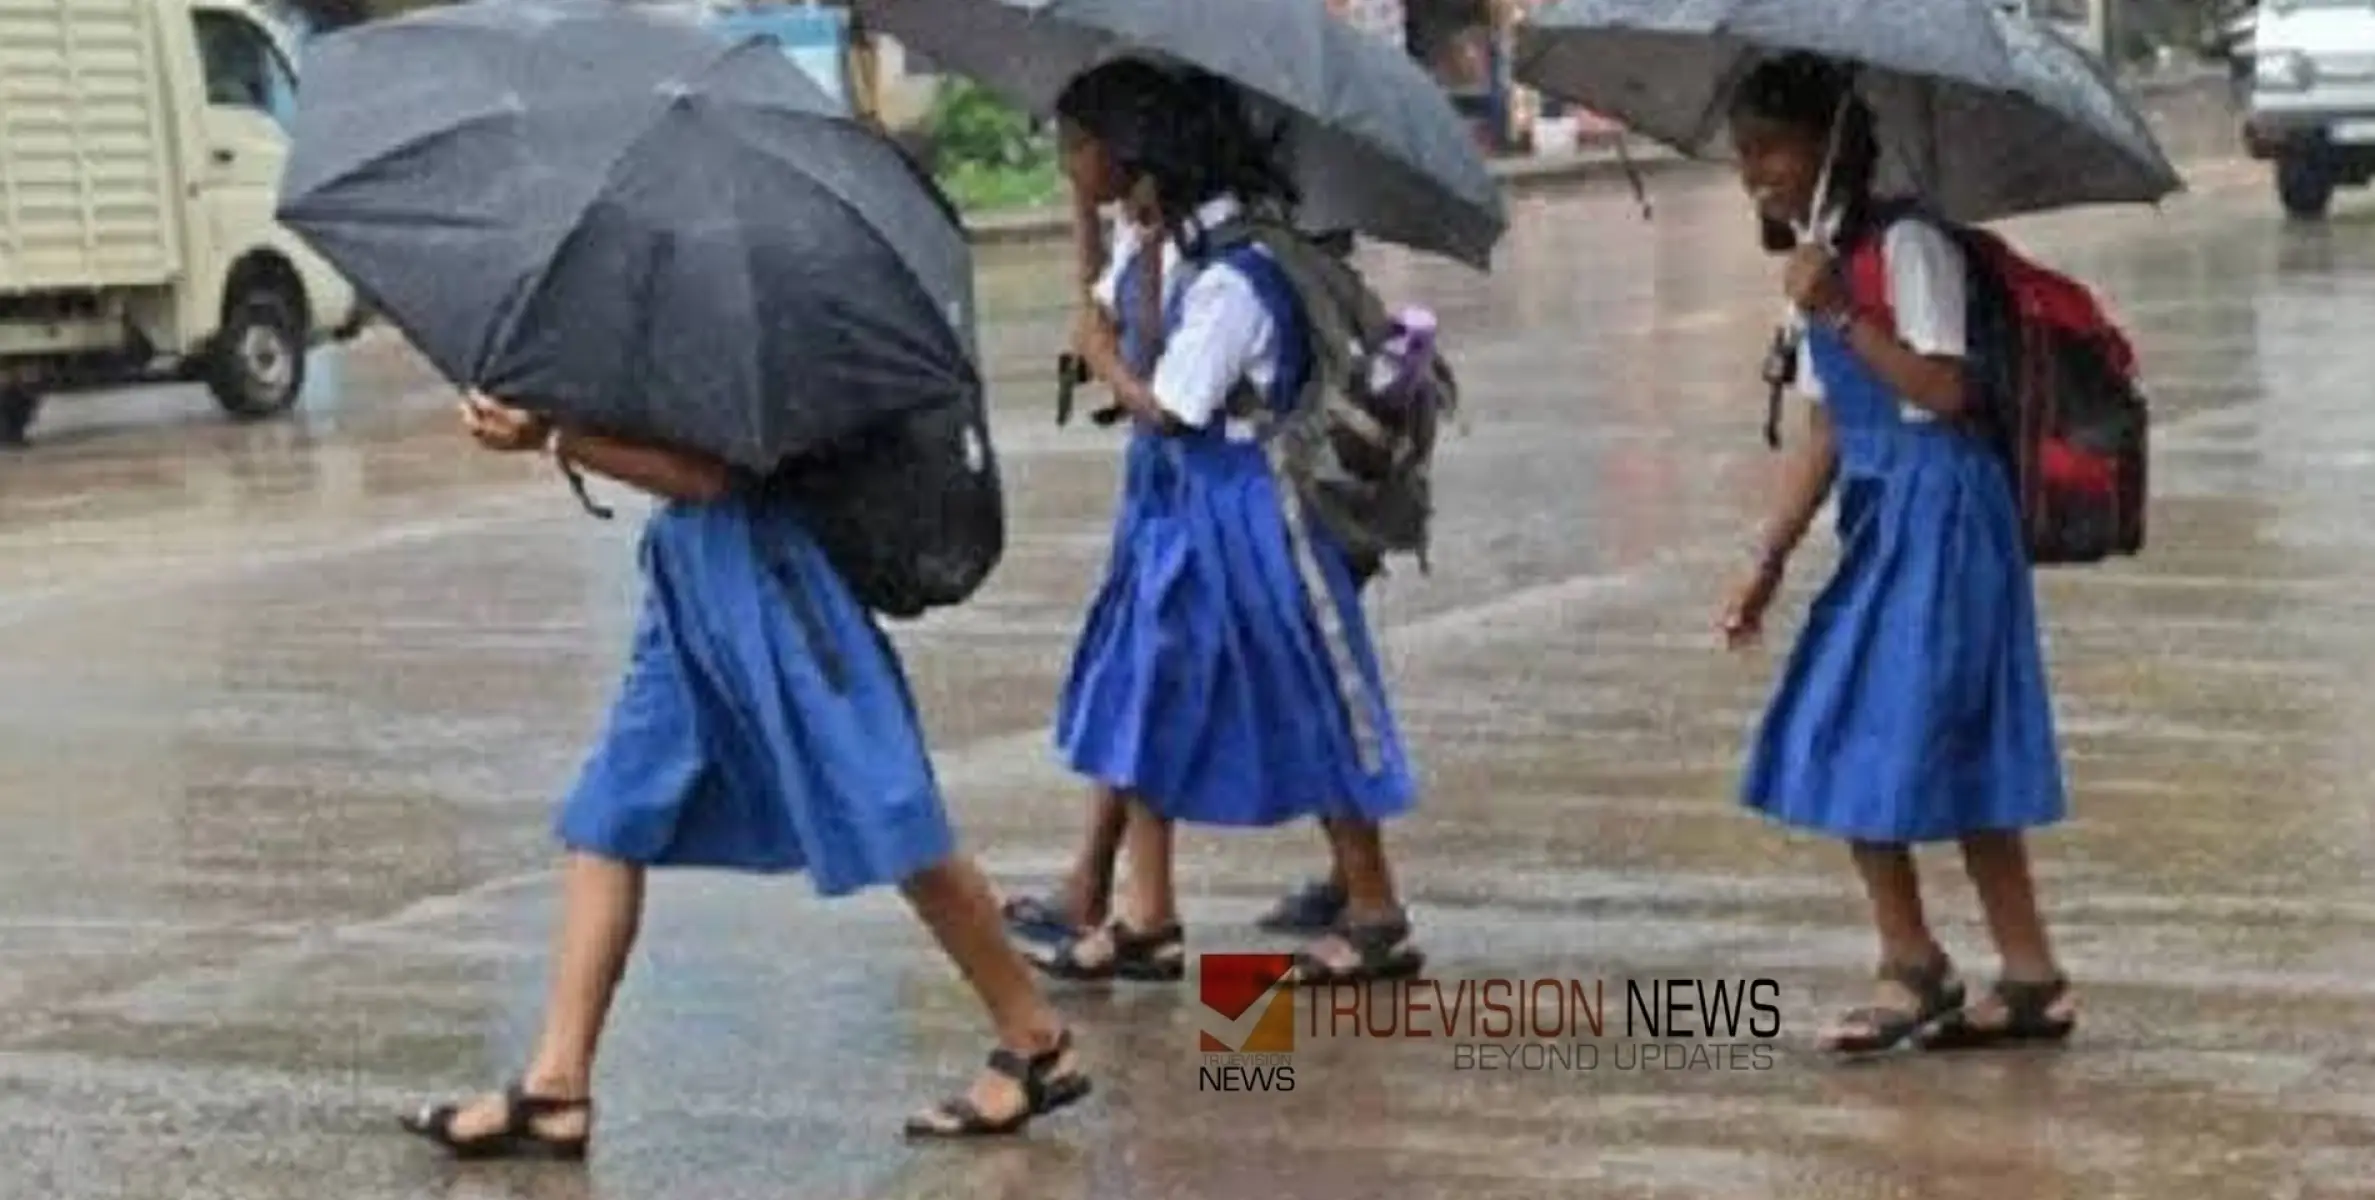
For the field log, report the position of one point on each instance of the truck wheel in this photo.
(257, 366)
(18, 407)
(2305, 186)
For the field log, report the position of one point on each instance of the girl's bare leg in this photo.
(1371, 900)
(1143, 941)
(1999, 867)
(1151, 901)
(1909, 952)
(601, 910)
(1893, 884)
(956, 902)
(1087, 896)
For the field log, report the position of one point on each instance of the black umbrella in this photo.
(620, 219)
(1375, 144)
(1985, 113)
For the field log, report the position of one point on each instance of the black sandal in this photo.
(1314, 908)
(516, 1137)
(1038, 919)
(1382, 948)
(1938, 994)
(1044, 1092)
(2028, 1018)
(1155, 956)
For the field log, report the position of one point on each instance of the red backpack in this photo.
(2058, 389)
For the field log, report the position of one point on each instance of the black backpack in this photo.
(912, 513)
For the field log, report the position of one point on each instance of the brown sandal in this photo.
(515, 1138)
(1938, 995)
(1137, 956)
(1381, 950)
(2028, 1018)
(1044, 1092)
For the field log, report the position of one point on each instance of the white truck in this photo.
(141, 147)
(2312, 109)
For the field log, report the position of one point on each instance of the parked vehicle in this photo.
(140, 158)
(2312, 103)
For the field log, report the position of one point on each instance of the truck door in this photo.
(251, 96)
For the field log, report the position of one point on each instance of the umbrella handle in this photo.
(1830, 158)
(1071, 372)
(1632, 171)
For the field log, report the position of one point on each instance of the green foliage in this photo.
(987, 153)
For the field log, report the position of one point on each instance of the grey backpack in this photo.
(1358, 443)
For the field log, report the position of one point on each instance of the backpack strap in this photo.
(1865, 262)
(1292, 365)
(1299, 329)
(1334, 309)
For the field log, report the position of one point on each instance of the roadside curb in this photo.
(1520, 176)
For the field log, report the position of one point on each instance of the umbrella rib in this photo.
(504, 326)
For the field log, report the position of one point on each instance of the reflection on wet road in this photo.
(281, 709)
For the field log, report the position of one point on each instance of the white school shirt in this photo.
(1224, 335)
(1926, 294)
(1123, 239)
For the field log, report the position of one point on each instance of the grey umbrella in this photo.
(620, 219)
(1374, 143)
(1985, 113)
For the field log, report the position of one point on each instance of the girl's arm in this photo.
(1222, 332)
(1935, 382)
(1805, 483)
(1098, 342)
(1921, 357)
(662, 471)
(1137, 397)
(1096, 337)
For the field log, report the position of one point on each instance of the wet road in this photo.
(282, 708)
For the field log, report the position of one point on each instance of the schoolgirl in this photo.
(1201, 688)
(1117, 96)
(1914, 705)
(728, 748)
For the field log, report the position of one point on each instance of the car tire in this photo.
(256, 368)
(2304, 186)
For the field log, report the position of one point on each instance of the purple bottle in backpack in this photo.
(1402, 371)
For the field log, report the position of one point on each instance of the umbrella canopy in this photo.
(1374, 143)
(1984, 113)
(620, 219)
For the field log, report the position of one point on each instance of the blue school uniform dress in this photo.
(1206, 679)
(764, 724)
(1914, 706)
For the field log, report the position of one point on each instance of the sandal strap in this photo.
(1030, 1071)
(1128, 941)
(1123, 942)
(1025, 1068)
(1372, 938)
(2030, 996)
(960, 1113)
(1012, 1064)
(1877, 1017)
(521, 1108)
